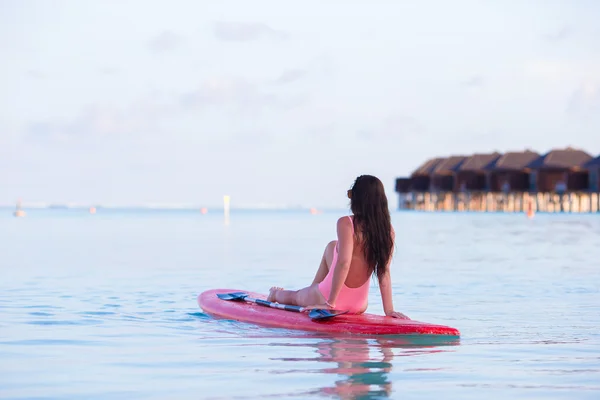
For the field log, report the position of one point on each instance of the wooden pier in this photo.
(572, 202)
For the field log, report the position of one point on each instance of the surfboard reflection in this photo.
(364, 364)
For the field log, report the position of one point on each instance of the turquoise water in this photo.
(104, 306)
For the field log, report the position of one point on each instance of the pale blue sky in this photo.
(280, 102)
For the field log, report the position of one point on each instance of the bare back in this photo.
(359, 271)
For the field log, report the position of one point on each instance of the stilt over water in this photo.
(528, 203)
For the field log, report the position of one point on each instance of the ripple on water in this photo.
(41, 314)
(81, 322)
(52, 342)
(97, 313)
(199, 315)
(41, 306)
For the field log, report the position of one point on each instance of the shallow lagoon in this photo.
(104, 306)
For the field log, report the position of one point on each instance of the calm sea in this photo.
(104, 307)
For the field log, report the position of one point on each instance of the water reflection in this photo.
(364, 363)
(363, 374)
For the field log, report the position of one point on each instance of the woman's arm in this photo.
(345, 248)
(385, 288)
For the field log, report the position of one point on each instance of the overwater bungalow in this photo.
(420, 179)
(562, 180)
(443, 174)
(403, 185)
(593, 168)
(470, 175)
(559, 171)
(509, 172)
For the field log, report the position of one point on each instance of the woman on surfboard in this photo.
(363, 248)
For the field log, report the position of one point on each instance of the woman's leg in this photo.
(326, 261)
(304, 297)
(279, 295)
(309, 295)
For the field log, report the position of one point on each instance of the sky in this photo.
(280, 103)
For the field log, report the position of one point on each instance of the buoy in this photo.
(18, 211)
(203, 210)
(530, 211)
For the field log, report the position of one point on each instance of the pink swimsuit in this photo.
(352, 299)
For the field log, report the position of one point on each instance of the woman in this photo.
(363, 248)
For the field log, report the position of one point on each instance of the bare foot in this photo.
(273, 293)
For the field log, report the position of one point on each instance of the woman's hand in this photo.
(396, 314)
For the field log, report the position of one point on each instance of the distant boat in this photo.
(18, 211)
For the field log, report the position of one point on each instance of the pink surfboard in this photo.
(369, 324)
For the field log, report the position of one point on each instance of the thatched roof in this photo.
(477, 162)
(594, 163)
(512, 161)
(448, 165)
(427, 167)
(562, 159)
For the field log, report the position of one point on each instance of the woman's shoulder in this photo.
(345, 220)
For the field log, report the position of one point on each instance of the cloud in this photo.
(568, 72)
(220, 91)
(35, 74)
(233, 96)
(109, 71)
(394, 127)
(585, 99)
(473, 82)
(559, 35)
(547, 70)
(238, 93)
(253, 137)
(289, 76)
(246, 31)
(323, 131)
(99, 120)
(165, 41)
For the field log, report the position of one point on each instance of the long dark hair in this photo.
(369, 205)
